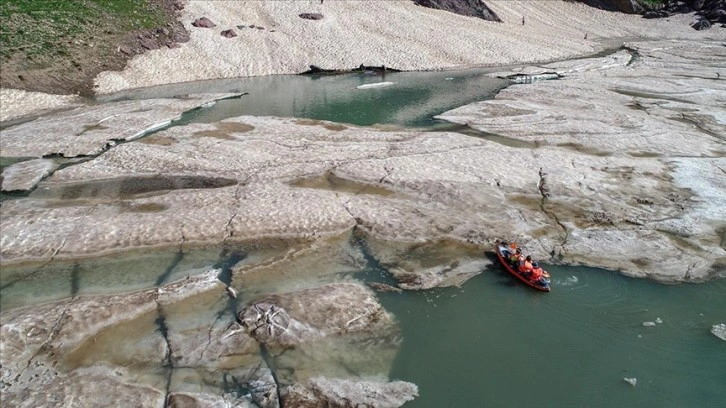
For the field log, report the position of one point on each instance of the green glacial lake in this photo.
(496, 343)
(410, 99)
(492, 342)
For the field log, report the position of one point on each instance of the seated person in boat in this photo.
(516, 258)
(537, 272)
(526, 266)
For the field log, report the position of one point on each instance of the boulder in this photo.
(149, 43)
(229, 33)
(311, 16)
(702, 24)
(203, 22)
(472, 8)
(125, 49)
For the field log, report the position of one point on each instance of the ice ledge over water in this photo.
(719, 330)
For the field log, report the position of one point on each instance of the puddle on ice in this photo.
(125, 187)
(332, 182)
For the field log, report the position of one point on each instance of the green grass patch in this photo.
(652, 3)
(43, 29)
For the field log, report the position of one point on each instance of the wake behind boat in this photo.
(504, 253)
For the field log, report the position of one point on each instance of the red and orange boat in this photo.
(504, 252)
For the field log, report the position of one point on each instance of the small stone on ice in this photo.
(648, 324)
(631, 381)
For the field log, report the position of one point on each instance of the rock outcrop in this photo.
(711, 12)
(203, 22)
(473, 8)
(623, 6)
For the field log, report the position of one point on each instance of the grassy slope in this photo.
(46, 43)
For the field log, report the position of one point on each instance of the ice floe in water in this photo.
(719, 330)
(376, 85)
(631, 381)
(648, 324)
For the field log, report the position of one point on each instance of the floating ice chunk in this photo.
(719, 330)
(648, 324)
(376, 85)
(658, 320)
(631, 381)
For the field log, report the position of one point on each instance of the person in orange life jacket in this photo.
(536, 272)
(526, 266)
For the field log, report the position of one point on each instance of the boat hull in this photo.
(503, 254)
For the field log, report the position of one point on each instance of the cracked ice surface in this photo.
(87, 130)
(242, 179)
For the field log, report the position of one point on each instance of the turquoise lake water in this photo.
(496, 343)
(411, 99)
